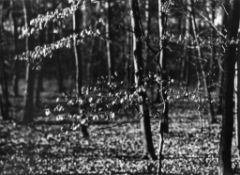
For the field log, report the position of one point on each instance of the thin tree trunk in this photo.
(39, 73)
(228, 87)
(138, 67)
(29, 95)
(199, 57)
(16, 76)
(61, 87)
(213, 36)
(220, 90)
(131, 68)
(85, 55)
(146, 33)
(108, 40)
(221, 60)
(3, 86)
(238, 106)
(3, 75)
(162, 67)
(78, 61)
(185, 66)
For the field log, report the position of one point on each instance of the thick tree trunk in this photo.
(228, 87)
(29, 94)
(138, 67)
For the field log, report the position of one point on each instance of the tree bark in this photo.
(228, 87)
(237, 89)
(108, 41)
(162, 66)
(146, 33)
(138, 67)
(78, 61)
(185, 64)
(29, 94)
(61, 87)
(16, 76)
(221, 60)
(4, 101)
(39, 73)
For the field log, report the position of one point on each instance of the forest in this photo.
(138, 87)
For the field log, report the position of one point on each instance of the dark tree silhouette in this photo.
(139, 82)
(4, 102)
(228, 86)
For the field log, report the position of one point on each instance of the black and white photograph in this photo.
(119, 87)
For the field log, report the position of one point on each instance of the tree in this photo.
(146, 32)
(29, 95)
(185, 66)
(162, 64)
(228, 86)
(4, 101)
(78, 61)
(108, 40)
(15, 15)
(220, 60)
(237, 91)
(139, 82)
(200, 65)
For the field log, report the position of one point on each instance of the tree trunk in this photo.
(138, 67)
(108, 40)
(84, 54)
(228, 87)
(29, 95)
(185, 64)
(213, 39)
(146, 33)
(61, 87)
(17, 62)
(162, 66)
(3, 75)
(238, 106)
(221, 60)
(78, 61)
(199, 58)
(131, 45)
(39, 73)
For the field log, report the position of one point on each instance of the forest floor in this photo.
(114, 147)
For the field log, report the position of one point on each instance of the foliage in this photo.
(190, 148)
